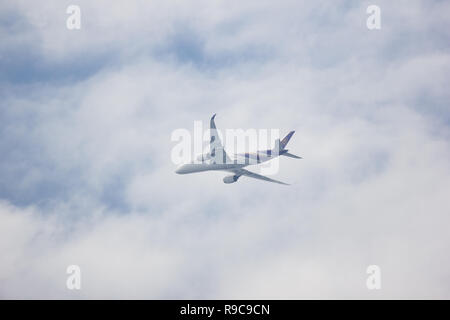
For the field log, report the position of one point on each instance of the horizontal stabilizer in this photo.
(290, 155)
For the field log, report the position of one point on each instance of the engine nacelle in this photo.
(230, 179)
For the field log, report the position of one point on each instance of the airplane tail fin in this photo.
(280, 145)
(285, 140)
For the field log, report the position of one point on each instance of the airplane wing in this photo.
(217, 152)
(243, 172)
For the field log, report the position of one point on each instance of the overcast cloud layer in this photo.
(86, 118)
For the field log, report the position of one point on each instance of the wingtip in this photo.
(214, 115)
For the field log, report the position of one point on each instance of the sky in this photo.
(86, 118)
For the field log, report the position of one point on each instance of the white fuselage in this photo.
(199, 167)
(238, 163)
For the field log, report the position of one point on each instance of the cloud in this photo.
(86, 119)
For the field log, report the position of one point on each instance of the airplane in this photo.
(217, 159)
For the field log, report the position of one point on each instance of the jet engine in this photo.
(230, 179)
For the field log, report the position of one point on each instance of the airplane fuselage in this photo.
(246, 160)
(199, 167)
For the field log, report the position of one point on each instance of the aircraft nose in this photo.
(180, 168)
